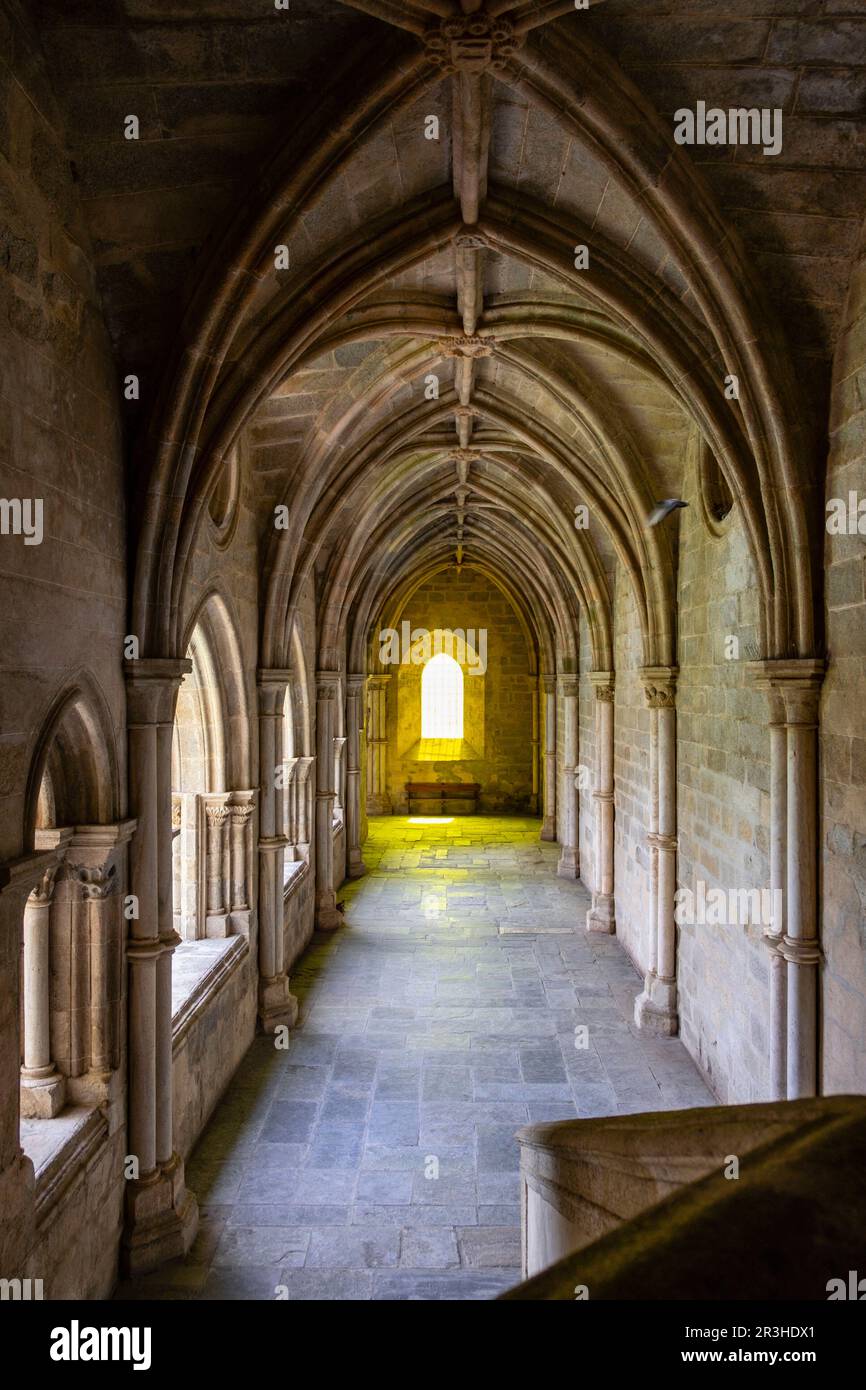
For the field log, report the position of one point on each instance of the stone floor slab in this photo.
(379, 1149)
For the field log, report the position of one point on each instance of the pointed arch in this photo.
(73, 776)
(212, 641)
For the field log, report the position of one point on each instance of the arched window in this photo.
(72, 927)
(198, 793)
(442, 698)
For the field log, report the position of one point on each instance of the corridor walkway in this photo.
(376, 1157)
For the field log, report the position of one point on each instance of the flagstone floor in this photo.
(376, 1157)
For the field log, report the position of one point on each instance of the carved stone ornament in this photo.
(473, 44)
(660, 696)
(95, 883)
(470, 345)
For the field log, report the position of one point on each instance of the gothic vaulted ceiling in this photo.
(442, 271)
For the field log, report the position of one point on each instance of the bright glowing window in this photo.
(442, 698)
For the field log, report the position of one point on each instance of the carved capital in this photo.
(151, 688)
(272, 686)
(660, 684)
(473, 44)
(603, 684)
(660, 696)
(44, 889)
(216, 815)
(327, 685)
(794, 687)
(96, 883)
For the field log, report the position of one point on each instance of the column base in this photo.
(548, 829)
(569, 863)
(161, 1219)
(355, 866)
(278, 1007)
(42, 1097)
(327, 916)
(601, 917)
(378, 805)
(96, 1088)
(655, 1010)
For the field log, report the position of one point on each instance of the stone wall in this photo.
(60, 442)
(207, 1052)
(62, 620)
(78, 1232)
(503, 767)
(842, 881)
(723, 811)
(298, 917)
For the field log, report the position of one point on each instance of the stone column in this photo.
(241, 808)
(43, 1088)
(339, 770)
(569, 859)
(656, 1007)
(774, 932)
(213, 913)
(305, 766)
(548, 824)
(601, 917)
(161, 1214)
(536, 744)
(652, 839)
(18, 878)
(177, 863)
(799, 945)
(793, 687)
(378, 798)
(327, 687)
(216, 816)
(291, 815)
(355, 867)
(97, 861)
(277, 1005)
(103, 903)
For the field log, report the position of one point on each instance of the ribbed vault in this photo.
(560, 382)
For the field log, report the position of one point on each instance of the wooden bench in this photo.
(443, 791)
